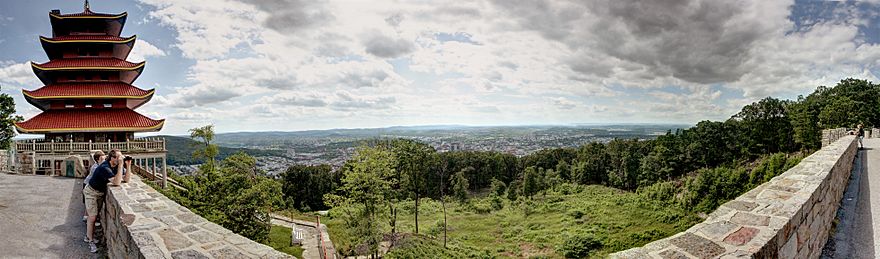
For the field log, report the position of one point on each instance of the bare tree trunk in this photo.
(393, 222)
(443, 201)
(417, 212)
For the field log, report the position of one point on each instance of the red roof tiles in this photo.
(87, 12)
(85, 38)
(71, 120)
(88, 62)
(98, 89)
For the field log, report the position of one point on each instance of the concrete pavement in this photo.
(858, 229)
(41, 217)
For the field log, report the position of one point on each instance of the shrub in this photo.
(576, 213)
(579, 245)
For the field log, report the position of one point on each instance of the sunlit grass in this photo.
(523, 229)
(279, 238)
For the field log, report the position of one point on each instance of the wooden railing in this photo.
(141, 145)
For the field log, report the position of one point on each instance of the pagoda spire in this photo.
(86, 6)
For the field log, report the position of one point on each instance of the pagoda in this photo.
(88, 93)
(88, 101)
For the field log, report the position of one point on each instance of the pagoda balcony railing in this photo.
(135, 145)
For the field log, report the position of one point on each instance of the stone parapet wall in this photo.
(831, 135)
(788, 217)
(5, 166)
(140, 222)
(25, 162)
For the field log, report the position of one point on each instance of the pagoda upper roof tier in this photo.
(87, 39)
(72, 23)
(87, 13)
(101, 90)
(88, 64)
(48, 72)
(56, 47)
(43, 97)
(88, 120)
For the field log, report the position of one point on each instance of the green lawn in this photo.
(537, 228)
(279, 238)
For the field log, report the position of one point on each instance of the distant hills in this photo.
(180, 150)
(329, 142)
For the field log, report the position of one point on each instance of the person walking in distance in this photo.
(861, 135)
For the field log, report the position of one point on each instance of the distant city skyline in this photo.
(289, 65)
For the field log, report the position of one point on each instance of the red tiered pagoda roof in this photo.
(88, 90)
(88, 64)
(87, 38)
(88, 14)
(103, 120)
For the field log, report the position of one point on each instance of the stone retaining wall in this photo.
(831, 135)
(787, 217)
(140, 222)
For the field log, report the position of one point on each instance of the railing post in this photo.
(164, 173)
(154, 169)
(52, 146)
(71, 144)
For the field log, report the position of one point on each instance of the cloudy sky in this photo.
(259, 65)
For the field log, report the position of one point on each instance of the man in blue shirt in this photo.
(108, 172)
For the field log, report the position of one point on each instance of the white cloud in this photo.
(540, 61)
(143, 49)
(20, 75)
(208, 30)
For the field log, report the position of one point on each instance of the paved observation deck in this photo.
(858, 231)
(41, 217)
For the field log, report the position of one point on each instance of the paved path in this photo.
(311, 248)
(858, 229)
(41, 217)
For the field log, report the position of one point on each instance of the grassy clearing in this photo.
(279, 238)
(533, 228)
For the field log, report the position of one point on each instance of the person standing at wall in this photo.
(109, 172)
(99, 158)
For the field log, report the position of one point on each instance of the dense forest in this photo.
(182, 153)
(692, 170)
(763, 128)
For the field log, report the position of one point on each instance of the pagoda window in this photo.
(105, 77)
(88, 105)
(68, 104)
(108, 105)
(87, 52)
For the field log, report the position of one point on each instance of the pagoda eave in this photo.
(89, 15)
(127, 75)
(87, 64)
(54, 47)
(155, 128)
(43, 100)
(100, 120)
(88, 39)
